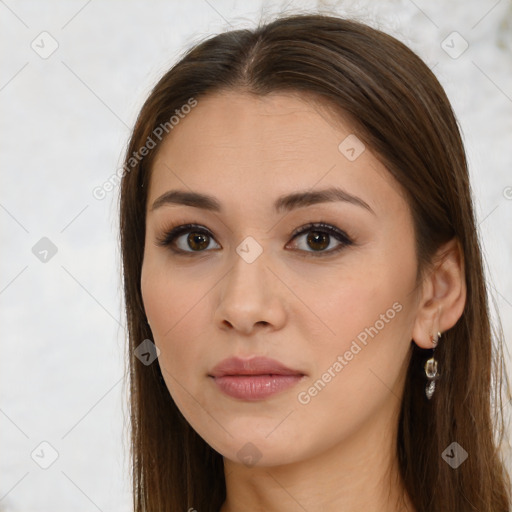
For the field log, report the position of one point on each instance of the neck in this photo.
(359, 473)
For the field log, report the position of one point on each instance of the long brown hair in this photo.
(400, 111)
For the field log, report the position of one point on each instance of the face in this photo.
(323, 289)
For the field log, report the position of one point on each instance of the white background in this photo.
(64, 124)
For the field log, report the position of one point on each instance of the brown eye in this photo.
(198, 241)
(320, 237)
(318, 240)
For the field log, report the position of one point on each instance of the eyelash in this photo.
(169, 237)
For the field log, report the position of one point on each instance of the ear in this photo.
(443, 296)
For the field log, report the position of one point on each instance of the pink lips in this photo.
(253, 379)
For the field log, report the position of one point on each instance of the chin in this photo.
(258, 449)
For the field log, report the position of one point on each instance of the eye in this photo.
(319, 237)
(198, 239)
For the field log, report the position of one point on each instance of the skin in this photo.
(290, 304)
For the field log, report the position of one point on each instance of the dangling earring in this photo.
(431, 369)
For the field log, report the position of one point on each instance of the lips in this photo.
(253, 366)
(253, 379)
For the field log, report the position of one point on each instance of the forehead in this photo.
(263, 128)
(261, 146)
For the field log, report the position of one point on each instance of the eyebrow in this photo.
(286, 202)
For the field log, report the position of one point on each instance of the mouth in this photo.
(253, 379)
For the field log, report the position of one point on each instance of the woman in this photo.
(299, 242)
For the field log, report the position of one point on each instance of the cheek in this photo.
(177, 309)
(169, 294)
(369, 320)
(361, 367)
(348, 307)
(165, 301)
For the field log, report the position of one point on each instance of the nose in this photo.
(251, 297)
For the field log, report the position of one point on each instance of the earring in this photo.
(431, 369)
